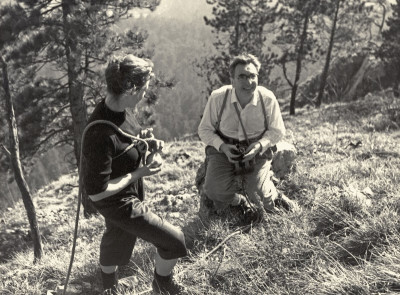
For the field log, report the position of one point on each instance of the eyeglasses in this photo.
(244, 77)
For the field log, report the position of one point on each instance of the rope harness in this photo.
(143, 147)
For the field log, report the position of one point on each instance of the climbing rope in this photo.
(143, 149)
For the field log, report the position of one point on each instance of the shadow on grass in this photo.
(12, 242)
(208, 229)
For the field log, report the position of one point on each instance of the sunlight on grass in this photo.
(345, 240)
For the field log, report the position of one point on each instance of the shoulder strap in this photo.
(264, 111)
(222, 109)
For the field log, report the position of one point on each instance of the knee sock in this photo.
(164, 267)
(109, 276)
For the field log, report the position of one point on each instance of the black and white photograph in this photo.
(199, 147)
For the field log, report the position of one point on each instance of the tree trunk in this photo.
(237, 30)
(17, 168)
(293, 99)
(396, 88)
(75, 89)
(324, 75)
(299, 60)
(350, 91)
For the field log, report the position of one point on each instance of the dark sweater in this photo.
(102, 150)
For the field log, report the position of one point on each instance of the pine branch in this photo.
(55, 7)
(58, 113)
(63, 142)
(247, 5)
(5, 149)
(96, 58)
(50, 135)
(283, 63)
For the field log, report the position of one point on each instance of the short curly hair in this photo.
(243, 59)
(127, 72)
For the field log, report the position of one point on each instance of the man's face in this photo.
(245, 80)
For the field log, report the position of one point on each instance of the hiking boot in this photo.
(250, 215)
(208, 203)
(112, 291)
(110, 283)
(285, 203)
(166, 285)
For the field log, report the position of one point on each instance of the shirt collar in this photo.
(253, 101)
(233, 96)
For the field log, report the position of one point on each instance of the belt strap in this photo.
(222, 109)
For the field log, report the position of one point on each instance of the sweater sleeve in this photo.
(97, 152)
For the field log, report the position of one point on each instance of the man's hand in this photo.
(231, 152)
(253, 150)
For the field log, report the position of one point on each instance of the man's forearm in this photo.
(210, 137)
(270, 139)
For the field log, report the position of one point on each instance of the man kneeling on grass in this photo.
(240, 124)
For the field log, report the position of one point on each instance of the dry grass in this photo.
(344, 241)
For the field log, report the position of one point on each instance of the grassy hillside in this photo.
(345, 240)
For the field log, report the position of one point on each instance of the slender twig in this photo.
(5, 149)
(226, 239)
(283, 63)
(219, 264)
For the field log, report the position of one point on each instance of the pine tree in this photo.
(58, 50)
(13, 153)
(295, 39)
(351, 33)
(239, 26)
(389, 51)
(325, 71)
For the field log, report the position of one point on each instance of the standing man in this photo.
(240, 123)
